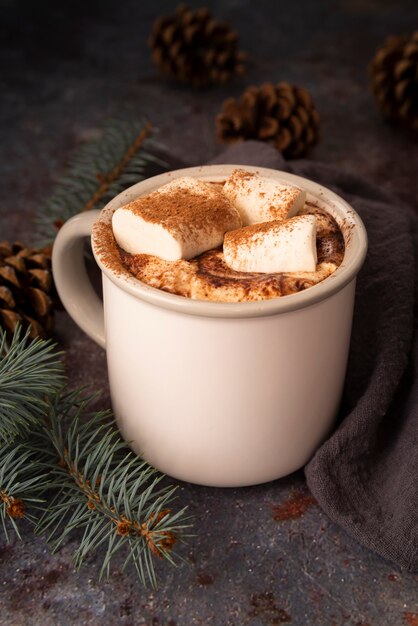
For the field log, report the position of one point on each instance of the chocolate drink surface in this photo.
(263, 226)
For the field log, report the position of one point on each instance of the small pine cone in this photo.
(192, 47)
(283, 115)
(26, 289)
(394, 79)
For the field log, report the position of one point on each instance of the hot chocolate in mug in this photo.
(220, 394)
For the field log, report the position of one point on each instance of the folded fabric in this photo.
(365, 475)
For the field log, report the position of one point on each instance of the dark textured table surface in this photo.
(63, 72)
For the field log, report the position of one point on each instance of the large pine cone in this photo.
(282, 115)
(26, 289)
(192, 47)
(394, 79)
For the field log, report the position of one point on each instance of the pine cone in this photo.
(191, 47)
(394, 79)
(282, 115)
(26, 289)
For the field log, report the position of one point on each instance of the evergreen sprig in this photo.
(103, 487)
(30, 372)
(23, 480)
(64, 466)
(100, 170)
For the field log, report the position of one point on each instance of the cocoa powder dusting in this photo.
(184, 211)
(107, 248)
(283, 198)
(294, 507)
(236, 238)
(239, 175)
(207, 277)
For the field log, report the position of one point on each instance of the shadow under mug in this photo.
(220, 394)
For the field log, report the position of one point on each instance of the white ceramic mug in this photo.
(222, 394)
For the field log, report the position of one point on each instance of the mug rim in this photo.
(349, 221)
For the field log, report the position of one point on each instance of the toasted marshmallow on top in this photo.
(274, 246)
(261, 199)
(177, 221)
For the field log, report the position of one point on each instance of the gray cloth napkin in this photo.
(365, 475)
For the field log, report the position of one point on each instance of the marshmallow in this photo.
(273, 246)
(177, 221)
(261, 199)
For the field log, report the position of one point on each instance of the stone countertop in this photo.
(261, 555)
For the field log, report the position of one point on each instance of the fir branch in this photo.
(30, 371)
(55, 446)
(23, 478)
(103, 487)
(99, 171)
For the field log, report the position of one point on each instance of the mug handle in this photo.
(71, 279)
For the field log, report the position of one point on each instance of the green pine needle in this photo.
(53, 445)
(23, 479)
(99, 171)
(30, 371)
(103, 487)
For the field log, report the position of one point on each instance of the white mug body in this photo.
(226, 402)
(220, 394)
